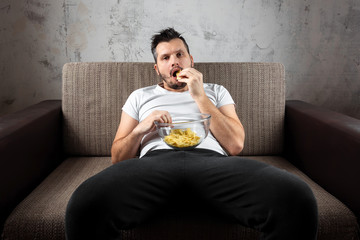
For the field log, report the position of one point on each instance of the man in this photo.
(240, 190)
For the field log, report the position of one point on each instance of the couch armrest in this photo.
(326, 146)
(30, 148)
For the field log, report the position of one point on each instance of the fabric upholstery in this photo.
(42, 212)
(93, 95)
(314, 135)
(27, 139)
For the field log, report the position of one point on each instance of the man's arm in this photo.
(225, 124)
(130, 132)
(127, 142)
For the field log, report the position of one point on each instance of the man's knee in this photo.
(293, 205)
(79, 213)
(292, 193)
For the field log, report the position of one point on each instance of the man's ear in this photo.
(192, 61)
(156, 69)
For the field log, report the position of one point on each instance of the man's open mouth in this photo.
(175, 71)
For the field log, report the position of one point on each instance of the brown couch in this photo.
(48, 149)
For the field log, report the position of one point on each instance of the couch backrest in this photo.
(94, 93)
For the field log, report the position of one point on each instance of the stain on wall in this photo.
(318, 41)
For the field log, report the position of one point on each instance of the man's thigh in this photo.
(242, 189)
(130, 191)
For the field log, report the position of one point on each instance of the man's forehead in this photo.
(174, 45)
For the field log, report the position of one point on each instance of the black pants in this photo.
(235, 189)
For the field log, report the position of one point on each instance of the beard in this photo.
(173, 85)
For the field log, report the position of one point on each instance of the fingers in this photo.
(192, 77)
(194, 80)
(148, 124)
(188, 74)
(162, 116)
(165, 118)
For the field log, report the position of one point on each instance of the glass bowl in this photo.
(186, 131)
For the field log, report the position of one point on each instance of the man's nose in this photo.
(174, 61)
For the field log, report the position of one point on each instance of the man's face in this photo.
(171, 57)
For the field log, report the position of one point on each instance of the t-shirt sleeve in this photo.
(131, 105)
(223, 97)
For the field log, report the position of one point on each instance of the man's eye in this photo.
(165, 58)
(179, 54)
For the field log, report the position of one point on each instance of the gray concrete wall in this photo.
(318, 41)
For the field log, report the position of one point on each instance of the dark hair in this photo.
(165, 35)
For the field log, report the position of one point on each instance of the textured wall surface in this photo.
(318, 41)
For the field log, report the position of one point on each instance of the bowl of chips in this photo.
(186, 131)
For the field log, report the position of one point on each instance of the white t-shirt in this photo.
(143, 101)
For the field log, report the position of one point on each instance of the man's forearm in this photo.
(229, 133)
(227, 130)
(125, 148)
